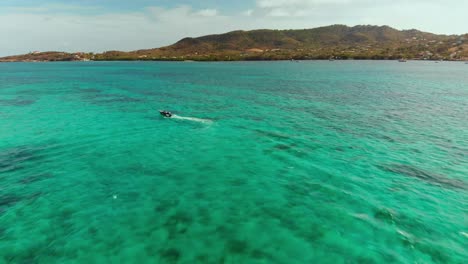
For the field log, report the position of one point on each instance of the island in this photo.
(335, 42)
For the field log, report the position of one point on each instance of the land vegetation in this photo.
(330, 42)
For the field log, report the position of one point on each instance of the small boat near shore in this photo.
(402, 60)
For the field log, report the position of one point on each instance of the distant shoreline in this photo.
(195, 61)
(335, 42)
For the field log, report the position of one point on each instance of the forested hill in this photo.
(336, 41)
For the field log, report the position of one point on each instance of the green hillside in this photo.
(336, 41)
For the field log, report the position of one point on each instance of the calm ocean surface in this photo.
(264, 162)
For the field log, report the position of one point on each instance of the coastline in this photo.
(335, 42)
(247, 60)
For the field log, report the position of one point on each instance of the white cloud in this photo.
(172, 15)
(248, 12)
(287, 13)
(24, 31)
(56, 8)
(297, 8)
(151, 28)
(207, 12)
(297, 3)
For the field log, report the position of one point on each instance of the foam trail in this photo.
(194, 119)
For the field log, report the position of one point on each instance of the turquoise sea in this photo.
(263, 162)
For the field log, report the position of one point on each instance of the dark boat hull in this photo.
(165, 113)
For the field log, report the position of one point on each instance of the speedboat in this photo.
(165, 113)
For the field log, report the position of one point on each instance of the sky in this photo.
(100, 25)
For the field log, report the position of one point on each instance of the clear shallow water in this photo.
(265, 162)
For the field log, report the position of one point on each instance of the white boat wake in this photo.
(194, 119)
